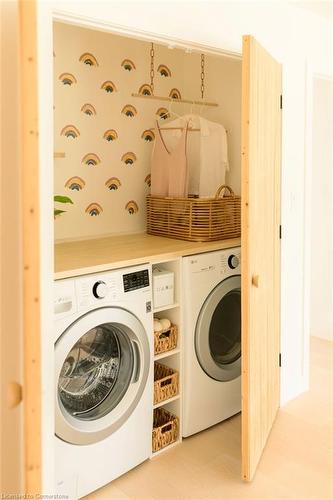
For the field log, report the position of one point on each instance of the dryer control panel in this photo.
(206, 270)
(230, 262)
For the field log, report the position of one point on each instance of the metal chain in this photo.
(202, 75)
(152, 71)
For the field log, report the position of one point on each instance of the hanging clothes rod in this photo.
(181, 128)
(189, 129)
(187, 101)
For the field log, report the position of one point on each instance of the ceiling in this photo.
(324, 9)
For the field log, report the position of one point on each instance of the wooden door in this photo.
(20, 357)
(261, 166)
(11, 417)
(31, 311)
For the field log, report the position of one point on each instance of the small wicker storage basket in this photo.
(166, 382)
(166, 340)
(165, 429)
(196, 219)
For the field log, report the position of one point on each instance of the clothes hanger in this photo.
(169, 112)
(190, 129)
(201, 113)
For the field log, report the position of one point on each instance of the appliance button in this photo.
(233, 261)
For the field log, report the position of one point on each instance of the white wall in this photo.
(321, 321)
(293, 36)
(46, 149)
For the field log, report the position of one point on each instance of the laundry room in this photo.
(126, 112)
(160, 164)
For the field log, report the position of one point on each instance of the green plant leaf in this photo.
(62, 199)
(58, 212)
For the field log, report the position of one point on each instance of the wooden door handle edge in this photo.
(14, 394)
(255, 280)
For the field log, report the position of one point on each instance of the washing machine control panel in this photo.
(64, 298)
(103, 289)
(134, 281)
(88, 290)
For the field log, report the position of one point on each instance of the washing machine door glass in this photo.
(218, 331)
(99, 366)
(102, 365)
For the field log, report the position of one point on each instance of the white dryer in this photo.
(212, 339)
(104, 381)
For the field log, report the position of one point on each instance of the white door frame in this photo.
(147, 36)
(311, 75)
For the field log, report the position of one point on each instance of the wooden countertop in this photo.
(97, 255)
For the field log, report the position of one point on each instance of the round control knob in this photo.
(100, 289)
(233, 261)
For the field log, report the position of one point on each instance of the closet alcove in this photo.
(105, 112)
(110, 94)
(106, 133)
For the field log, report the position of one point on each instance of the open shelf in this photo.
(166, 308)
(173, 357)
(166, 448)
(166, 354)
(166, 401)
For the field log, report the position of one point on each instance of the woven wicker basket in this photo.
(166, 382)
(196, 219)
(165, 429)
(166, 340)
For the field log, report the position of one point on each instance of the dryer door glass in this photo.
(218, 331)
(225, 329)
(99, 367)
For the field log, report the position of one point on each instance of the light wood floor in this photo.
(297, 463)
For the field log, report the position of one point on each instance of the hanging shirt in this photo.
(207, 153)
(169, 173)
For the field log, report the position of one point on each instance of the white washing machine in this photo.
(104, 377)
(212, 339)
